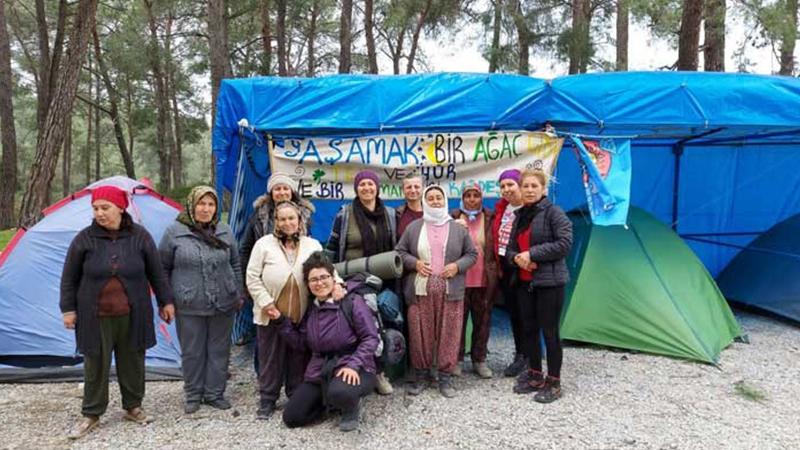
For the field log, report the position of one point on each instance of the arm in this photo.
(512, 249)
(255, 285)
(236, 264)
(166, 251)
(155, 271)
(332, 246)
(403, 248)
(559, 248)
(71, 275)
(248, 241)
(367, 334)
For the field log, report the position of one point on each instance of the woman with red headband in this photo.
(105, 298)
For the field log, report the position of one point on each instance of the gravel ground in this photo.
(612, 399)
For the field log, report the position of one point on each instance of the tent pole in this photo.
(677, 150)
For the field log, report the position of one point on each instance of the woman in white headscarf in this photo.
(436, 254)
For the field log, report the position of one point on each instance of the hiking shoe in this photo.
(458, 369)
(446, 386)
(265, 411)
(482, 370)
(191, 407)
(218, 403)
(517, 366)
(382, 385)
(349, 420)
(137, 415)
(415, 387)
(550, 392)
(83, 427)
(529, 381)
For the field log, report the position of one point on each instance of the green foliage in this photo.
(5, 237)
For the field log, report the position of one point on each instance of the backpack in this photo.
(391, 342)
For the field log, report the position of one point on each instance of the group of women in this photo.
(306, 342)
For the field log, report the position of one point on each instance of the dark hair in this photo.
(317, 260)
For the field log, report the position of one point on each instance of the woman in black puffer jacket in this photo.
(540, 242)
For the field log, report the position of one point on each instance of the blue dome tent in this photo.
(34, 345)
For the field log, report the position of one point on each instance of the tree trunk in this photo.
(164, 138)
(129, 113)
(714, 48)
(412, 54)
(113, 99)
(312, 37)
(219, 58)
(580, 42)
(280, 36)
(43, 89)
(52, 135)
(345, 36)
(523, 39)
(689, 38)
(8, 131)
(172, 109)
(369, 33)
(789, 39)
(623, 17)
(87, 151)
(66, 160)
(494, 55)
(266, 38)
(97, 153)
(398, 53)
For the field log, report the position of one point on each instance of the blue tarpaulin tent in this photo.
(714, 154)
(34, 345)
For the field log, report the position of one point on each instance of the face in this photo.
(106, 213)
(532, 190)
(288, 221)
(367, 190)
(281, 193)
(434, 198)
(472, 200)
(320, 282)
(509, 189)
(412, 189)
(205, 209)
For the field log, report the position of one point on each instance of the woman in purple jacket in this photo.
(342, 365)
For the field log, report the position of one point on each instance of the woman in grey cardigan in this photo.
(436, 254)
(200, 257)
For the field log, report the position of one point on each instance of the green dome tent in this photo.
(642, 288)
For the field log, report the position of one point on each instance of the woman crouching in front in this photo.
(342, 366)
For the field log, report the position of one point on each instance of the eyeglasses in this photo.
(319, 279)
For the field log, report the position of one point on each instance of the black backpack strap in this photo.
(346, 306)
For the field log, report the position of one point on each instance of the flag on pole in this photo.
(606, 167)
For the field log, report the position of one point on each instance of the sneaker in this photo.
(446, 386)
(458, 369)
(137, 415)
(529, 381)
(349, 421)
(218, 403)
(191, 407)
(517, 366)
(265, 411)
(382, 385)
(550, 392)
(83, 427)
(482, 370)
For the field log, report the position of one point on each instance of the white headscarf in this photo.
(436, 216)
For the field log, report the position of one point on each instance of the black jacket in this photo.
(88, 269)
(550, 240)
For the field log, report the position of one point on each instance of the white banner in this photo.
(325, 167)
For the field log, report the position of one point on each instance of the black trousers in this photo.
(540, 311)
(512, 306)
(306, 405)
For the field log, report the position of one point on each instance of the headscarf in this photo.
(206, 232)
(472, 215)
(301, 229)
(510, 174)
(435, 216)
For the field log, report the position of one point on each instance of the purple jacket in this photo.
(325, 330)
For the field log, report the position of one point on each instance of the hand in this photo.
(271, 311)
(69, 320)
(338, 292)
(531, 266)
(423, 268)
(522, 259)
(450, 270)
(167, 313)
(461, 222)
(349, 376)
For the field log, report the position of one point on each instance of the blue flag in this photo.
(606, 168)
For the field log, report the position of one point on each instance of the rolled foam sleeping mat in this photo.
(386, 266)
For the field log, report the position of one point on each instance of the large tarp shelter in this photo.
(766, 274)
(34, 345)
(641, 287)
(714, 154)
